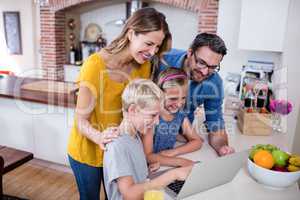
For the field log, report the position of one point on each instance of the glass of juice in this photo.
(154, 195)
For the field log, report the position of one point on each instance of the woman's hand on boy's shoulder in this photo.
(107, 136)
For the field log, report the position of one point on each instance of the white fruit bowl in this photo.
(272, 178)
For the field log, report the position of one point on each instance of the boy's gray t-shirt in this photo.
(124, 157)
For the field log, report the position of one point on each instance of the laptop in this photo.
(207, 175)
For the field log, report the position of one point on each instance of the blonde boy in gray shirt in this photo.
(125, 165)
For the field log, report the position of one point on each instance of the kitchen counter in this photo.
(10, 87)
(243, 186)
(36, 116)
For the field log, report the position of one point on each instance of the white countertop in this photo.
(243, 186)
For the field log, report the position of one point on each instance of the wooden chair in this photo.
(1, 174)
(10, 159)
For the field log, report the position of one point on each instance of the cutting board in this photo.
(50, 86)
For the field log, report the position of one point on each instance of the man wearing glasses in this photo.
(202, 62)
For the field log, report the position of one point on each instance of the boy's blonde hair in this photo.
(141, 92)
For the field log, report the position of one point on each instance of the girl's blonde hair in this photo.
(142, 21)
(171, 77)
(141, 92)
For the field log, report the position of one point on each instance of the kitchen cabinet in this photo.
(36, 121)
(263, 25)
(51, 130)
(16, 124)
(38, 128)
(71, 72)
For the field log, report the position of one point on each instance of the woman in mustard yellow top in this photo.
(102, 80)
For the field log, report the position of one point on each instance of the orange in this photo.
(264, 159)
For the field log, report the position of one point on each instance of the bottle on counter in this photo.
(249, 100)
(261, 99)
(72, 56)
(78, 55)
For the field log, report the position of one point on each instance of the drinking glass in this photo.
(154, 195)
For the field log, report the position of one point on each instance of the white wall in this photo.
(268, 32)
(28, 18)
(228, 29)
(104, 17)
(179, 21)
(182, 23)
(290, 59)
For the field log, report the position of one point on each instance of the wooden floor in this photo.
(39, 181)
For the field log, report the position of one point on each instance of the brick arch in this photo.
(58, 5)
(207, 11)
(193, 5)
(52, 15)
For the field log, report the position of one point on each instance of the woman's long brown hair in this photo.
(142, 21)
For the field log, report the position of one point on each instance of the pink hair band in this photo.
(173, 76)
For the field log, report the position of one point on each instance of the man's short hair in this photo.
(213, 41)
(141, 92)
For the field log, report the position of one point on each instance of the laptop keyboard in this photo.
(176, 186)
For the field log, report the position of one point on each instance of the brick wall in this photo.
(53, 28)
(207, 12)
(52, 43)
(62, 4)
(208, 16)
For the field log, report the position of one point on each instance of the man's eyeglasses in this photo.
(202, 64)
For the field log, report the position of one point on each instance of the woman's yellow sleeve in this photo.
(90, 75)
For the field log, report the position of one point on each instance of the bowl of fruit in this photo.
(271, 166)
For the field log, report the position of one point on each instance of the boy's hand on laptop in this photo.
(153, 167)
(107, 136)
(169, 153)
(182, 173)
(225, 150)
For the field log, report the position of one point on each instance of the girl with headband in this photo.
(160, 147)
